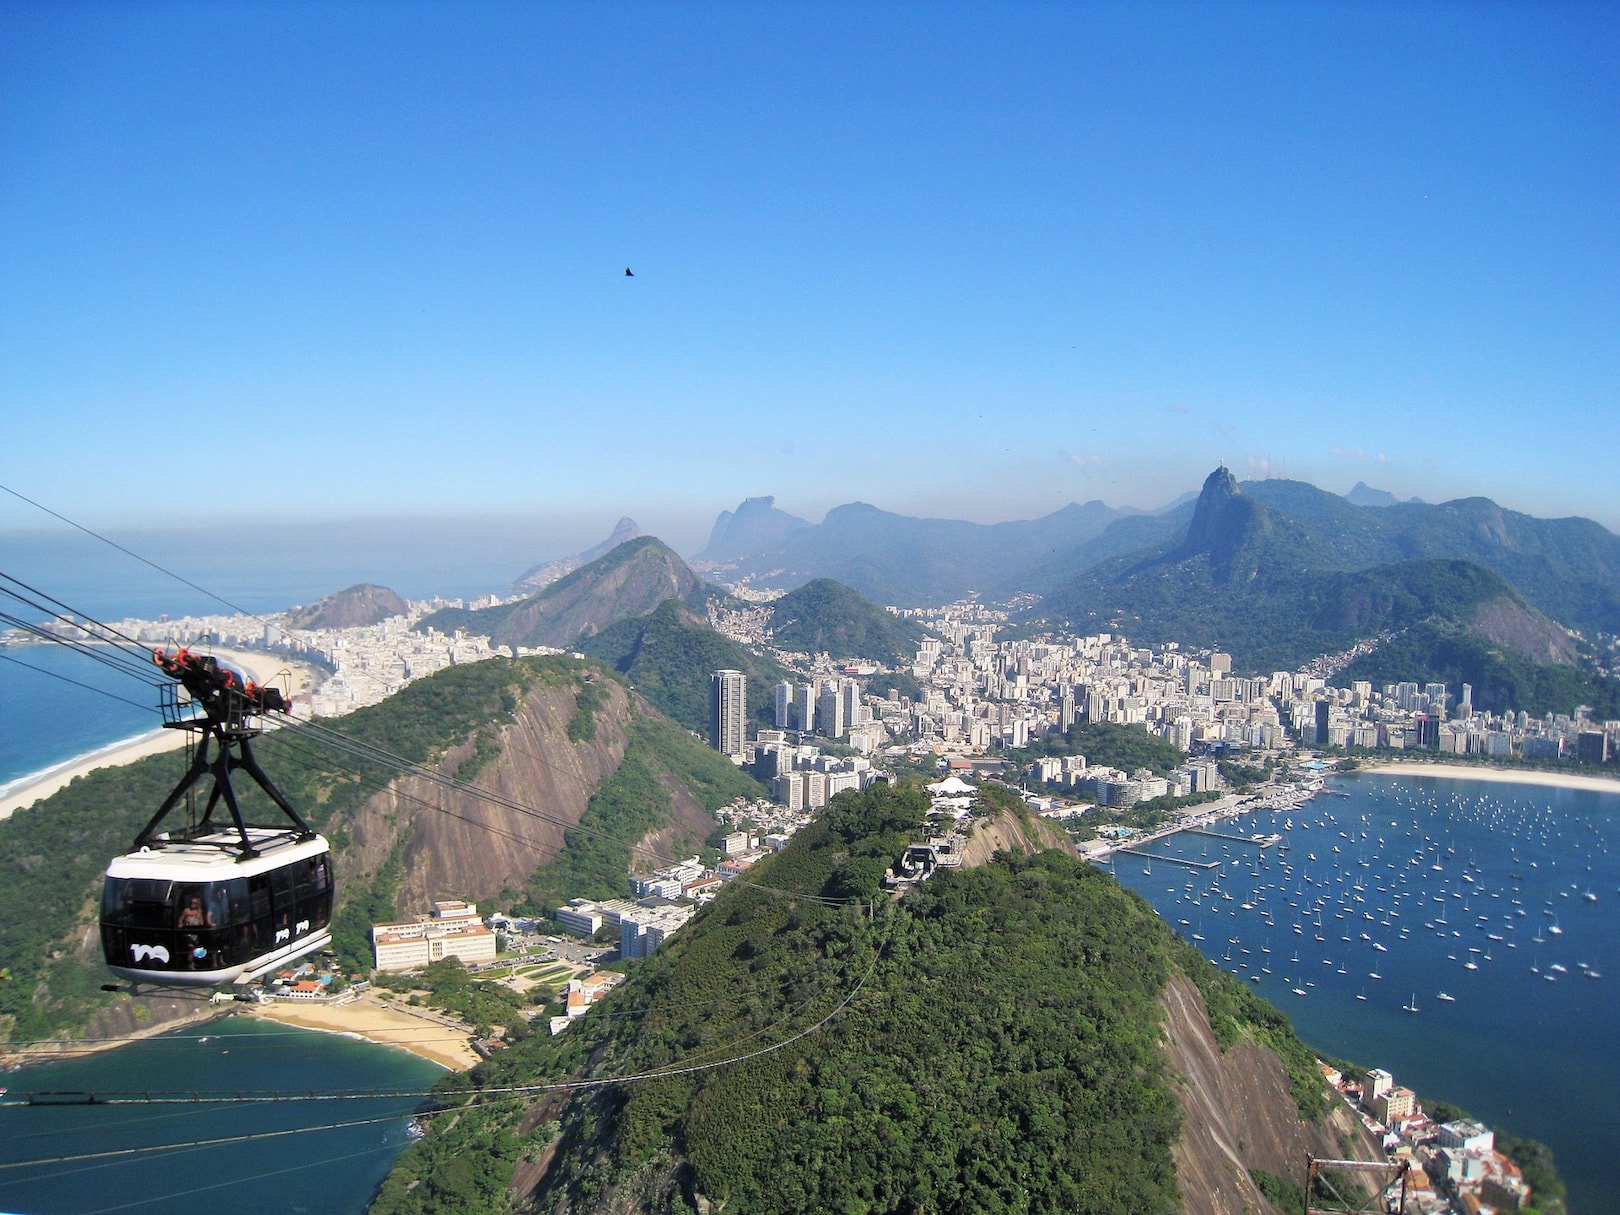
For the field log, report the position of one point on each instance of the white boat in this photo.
(1448, 998)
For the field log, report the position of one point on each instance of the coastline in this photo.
(382, 1024)
(26, 790)
(21, 793)
(1482, 772)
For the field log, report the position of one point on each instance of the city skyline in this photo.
(347, 262)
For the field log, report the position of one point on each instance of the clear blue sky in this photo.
(973, 260)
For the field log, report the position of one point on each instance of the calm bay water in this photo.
(1462, 884)
(312, 1171)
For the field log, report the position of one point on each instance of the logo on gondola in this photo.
(287, 934)
(143, 953)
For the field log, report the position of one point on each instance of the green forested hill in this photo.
(1439, 651)
(989, 1043)
(826, 616)
(668, 656)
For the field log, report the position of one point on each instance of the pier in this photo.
(1171, 860)
(1259, 841)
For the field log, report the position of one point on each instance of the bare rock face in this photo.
(1238, 1114)
(463, 846)
(1007, 832)
(1518, 627)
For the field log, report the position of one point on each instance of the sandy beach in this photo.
(368, 1018)
(1506, 776)
(276, 669)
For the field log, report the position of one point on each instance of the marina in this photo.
(1411, 925)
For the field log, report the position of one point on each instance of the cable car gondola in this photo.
(216, 903)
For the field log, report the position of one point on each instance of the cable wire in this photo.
(127, 552)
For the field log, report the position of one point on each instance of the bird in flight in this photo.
(629, 273)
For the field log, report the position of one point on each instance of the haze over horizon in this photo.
(359, 263)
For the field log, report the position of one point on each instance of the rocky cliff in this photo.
(1238, 1114)
(461, 845)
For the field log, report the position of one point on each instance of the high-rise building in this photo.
(784, 705)
(830, 712)
(804, 708)
(728, 711)
(849, 693)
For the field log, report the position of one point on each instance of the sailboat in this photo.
(1413, 1006)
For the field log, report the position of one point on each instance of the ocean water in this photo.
(1475, 889)
(56, 704)
(293, 1158)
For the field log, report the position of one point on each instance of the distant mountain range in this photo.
(894, 559)
(1567, 568)
(1276, 572)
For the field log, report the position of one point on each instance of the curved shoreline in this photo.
(370, 1020)
(23, 791)
(1489, 772)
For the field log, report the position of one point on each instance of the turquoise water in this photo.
(307, 1172)
(1441, 873)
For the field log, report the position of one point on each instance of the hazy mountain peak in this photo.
(547, 572)
(1365, 495)
(755, 527)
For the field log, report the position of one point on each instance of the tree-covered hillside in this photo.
(824, 616)
(668, 656)
(1438, 651)
(989, 1043)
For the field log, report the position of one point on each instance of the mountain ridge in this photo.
(912, 562)
(537, 577)
(1249, 578)
(628, 581)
